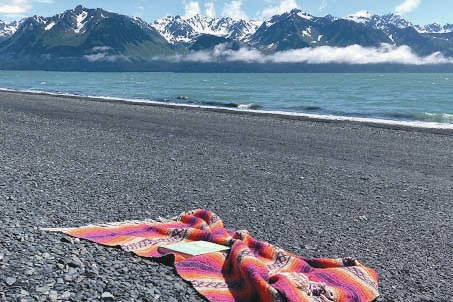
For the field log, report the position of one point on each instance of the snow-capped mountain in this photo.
(391, 19)
(435, 28)
(76, 21)
(400, 31)
(8, 29)
(94, 34)
(297, 29)
(186, 29)
(383, 22)
(80, 20)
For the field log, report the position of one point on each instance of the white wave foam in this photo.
(248, 106)
(436, 117)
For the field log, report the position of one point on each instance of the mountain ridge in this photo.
(179, 29)
(84, 32)
(227, 27)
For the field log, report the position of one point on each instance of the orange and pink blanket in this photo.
(250, 271)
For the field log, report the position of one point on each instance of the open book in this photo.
(193, 248)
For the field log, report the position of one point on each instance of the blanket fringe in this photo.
(112, 224)
(56, 230)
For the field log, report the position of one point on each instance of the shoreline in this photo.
(433, 127)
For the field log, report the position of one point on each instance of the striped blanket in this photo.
(251, 271)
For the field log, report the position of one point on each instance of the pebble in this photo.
(66, 295)
(53, 295)
(10, 281)
(30, 271)
(68, 277)
(107, 296)
(363, 218)
(75, 262)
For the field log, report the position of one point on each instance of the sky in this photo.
(417, 11)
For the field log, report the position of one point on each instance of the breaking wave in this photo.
(425, 116)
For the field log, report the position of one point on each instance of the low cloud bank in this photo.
(103, 57)
(354, 54)
(102, 54)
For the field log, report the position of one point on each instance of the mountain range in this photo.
(83, 35)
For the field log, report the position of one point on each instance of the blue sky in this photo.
(417, 11)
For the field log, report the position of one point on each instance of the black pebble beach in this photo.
(319, 189)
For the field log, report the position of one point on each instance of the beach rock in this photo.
(66, 295)
(75, 262)
(363, 218)
(67, 240)
(69, 277)
(46, 255)
(42, 289)
(10, 281)
(53, 295)
(107, 296)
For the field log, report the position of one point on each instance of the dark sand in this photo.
(323, 189)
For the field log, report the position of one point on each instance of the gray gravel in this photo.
(316, 189)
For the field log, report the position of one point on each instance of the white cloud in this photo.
(354, 54)
(18, 7)
(282, 6)
(323, 5)
(103, 57)
(192, 8)
(234, 10)
(14, 6)
(407, 6)
(210, 9)
(140, 10)
(101, 48)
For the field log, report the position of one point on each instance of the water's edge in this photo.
(375, 122)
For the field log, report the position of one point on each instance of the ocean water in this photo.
(400, 97)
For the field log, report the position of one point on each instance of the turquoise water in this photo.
(414, 97)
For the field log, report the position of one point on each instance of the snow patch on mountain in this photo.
(304, 15)
(8, 29)
(50, 26)
(361, 16)
(307, 32)
(39, 19)
(80, 19)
